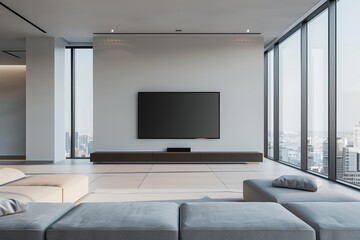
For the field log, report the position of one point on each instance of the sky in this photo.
(83, 91)
(348, 62)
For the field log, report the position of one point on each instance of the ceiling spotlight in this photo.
(112, 30)
(248, 30)
(178, 30)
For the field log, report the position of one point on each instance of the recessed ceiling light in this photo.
(248, 30)
(112, 30)
(178, 30)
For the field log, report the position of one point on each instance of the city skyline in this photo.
(83, 145)
(347, 156)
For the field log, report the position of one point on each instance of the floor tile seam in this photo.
(234, 171)
(115, 166)
(124, 173)
(178, 172)
(64, 173)
(145, 177)
(96, 179)
(183, 186)
(158, 192)
(218, 178)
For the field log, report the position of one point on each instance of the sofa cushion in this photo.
(8, 175)
(32, 224)
(11, 206)
(241, 221)
(297, 182)
(331, 220)
(113, 221)
(261, 190)
(73, 186)
(32, 194)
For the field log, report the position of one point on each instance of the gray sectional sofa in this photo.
(155, 221)
(330, 220)
(261, 190)
(336, 219)
(241, 221)
(113, 221)
(32, 224)
(333, 216)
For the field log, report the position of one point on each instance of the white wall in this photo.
(232, 65)
(12, 110)
(44, 93)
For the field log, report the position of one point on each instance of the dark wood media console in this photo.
(175, 157)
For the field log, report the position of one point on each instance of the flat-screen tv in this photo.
(178, 115)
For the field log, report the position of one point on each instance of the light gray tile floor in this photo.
(161, 182)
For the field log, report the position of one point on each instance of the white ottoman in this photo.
(73, 186)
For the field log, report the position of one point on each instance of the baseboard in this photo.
(12, 157)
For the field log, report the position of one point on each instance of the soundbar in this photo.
(178, 149)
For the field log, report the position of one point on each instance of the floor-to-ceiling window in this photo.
(290, 99)
(79, 102)
(317, 93)
(348, 91)
(270, 104)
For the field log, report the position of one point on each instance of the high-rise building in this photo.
(83, 140)
(340, 145)
(67, 142)
(76, 140)
(347, 165)
(90, 146)
(310, 154)
(350, 159)
(356, 136)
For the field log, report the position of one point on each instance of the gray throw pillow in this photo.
(11, 206)
(297, 182)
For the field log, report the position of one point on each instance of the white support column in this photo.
(59, 100)
(45, 57)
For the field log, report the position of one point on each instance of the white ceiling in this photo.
(77, 20)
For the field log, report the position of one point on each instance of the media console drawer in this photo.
(215, 156)
(175, 157)
(121, 157)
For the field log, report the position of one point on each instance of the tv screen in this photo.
(178, 115)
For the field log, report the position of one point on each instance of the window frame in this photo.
(72, 100)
